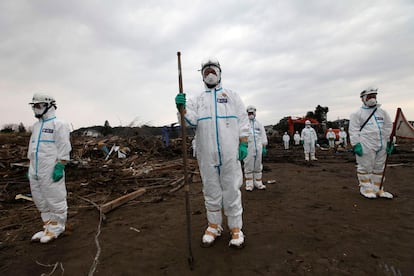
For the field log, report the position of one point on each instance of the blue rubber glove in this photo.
(264, 151)
(358, 149)
(242, 150)
(180, 100)
(390, 147)
(58, 172)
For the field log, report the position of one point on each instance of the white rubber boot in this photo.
(237, 238)
(212, 232)
(313, 158)
(306, 156)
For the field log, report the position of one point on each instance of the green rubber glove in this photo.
(243, 150)
(180, 100)
(390, 147)
(264, 151)
(58, 172)
(302, 142)
(358, 149)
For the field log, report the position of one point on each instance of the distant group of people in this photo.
(226, 134)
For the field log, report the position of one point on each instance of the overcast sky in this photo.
(117, 60)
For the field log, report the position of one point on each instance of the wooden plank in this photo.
(109, 206)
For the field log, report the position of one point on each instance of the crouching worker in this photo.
(49, 149)
(222, 131)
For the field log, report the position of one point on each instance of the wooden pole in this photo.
(184, 149)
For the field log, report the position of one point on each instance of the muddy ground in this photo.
(312, 221)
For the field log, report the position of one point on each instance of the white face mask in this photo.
(371, 102)
(251, 117)
(308, 126)
(211, 79)
(38, 111)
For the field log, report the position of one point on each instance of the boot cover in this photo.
(237, 238)
(306, 157)
(259, 184)
(52, 231)
(249, 185)
(313, 158)
(367, 191)
(212, 232)
(384, 194)
(37, 236)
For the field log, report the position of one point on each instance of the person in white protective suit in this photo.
(257, 148)
(369, 132)
(331, 136)
(286, 139)
(342, 137)
(222, 131)
(49, 150)
(309, 138)
(296, 138)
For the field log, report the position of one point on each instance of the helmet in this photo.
(42, 98)
(307, 122)
(41, 103)
(211, 61)
(213, 78)
(251, 108)
(369, 90)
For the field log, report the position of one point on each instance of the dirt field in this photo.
(312, 221)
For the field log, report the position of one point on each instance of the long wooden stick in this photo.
(184, 149)
(391, 138)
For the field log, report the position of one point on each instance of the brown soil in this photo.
(312, 221)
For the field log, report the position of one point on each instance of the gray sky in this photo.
(116, 60)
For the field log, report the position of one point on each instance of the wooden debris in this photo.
(107, 207)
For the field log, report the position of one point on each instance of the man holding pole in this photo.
(369, 132)
(222, 131)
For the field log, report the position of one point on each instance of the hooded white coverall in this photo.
(296, 138)
(253, 163)
(342, 137)
(373, 139)
(286, 139)
(49, 143)
(331, 136)
(220, 119)
(309, 137)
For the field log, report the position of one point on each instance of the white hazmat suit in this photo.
(296, 138)
(373, 138)
(342, 137)
(309, 138)
(49, 144)
(253, 163)
(286, 139)
(220, 120)
(331, 136)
